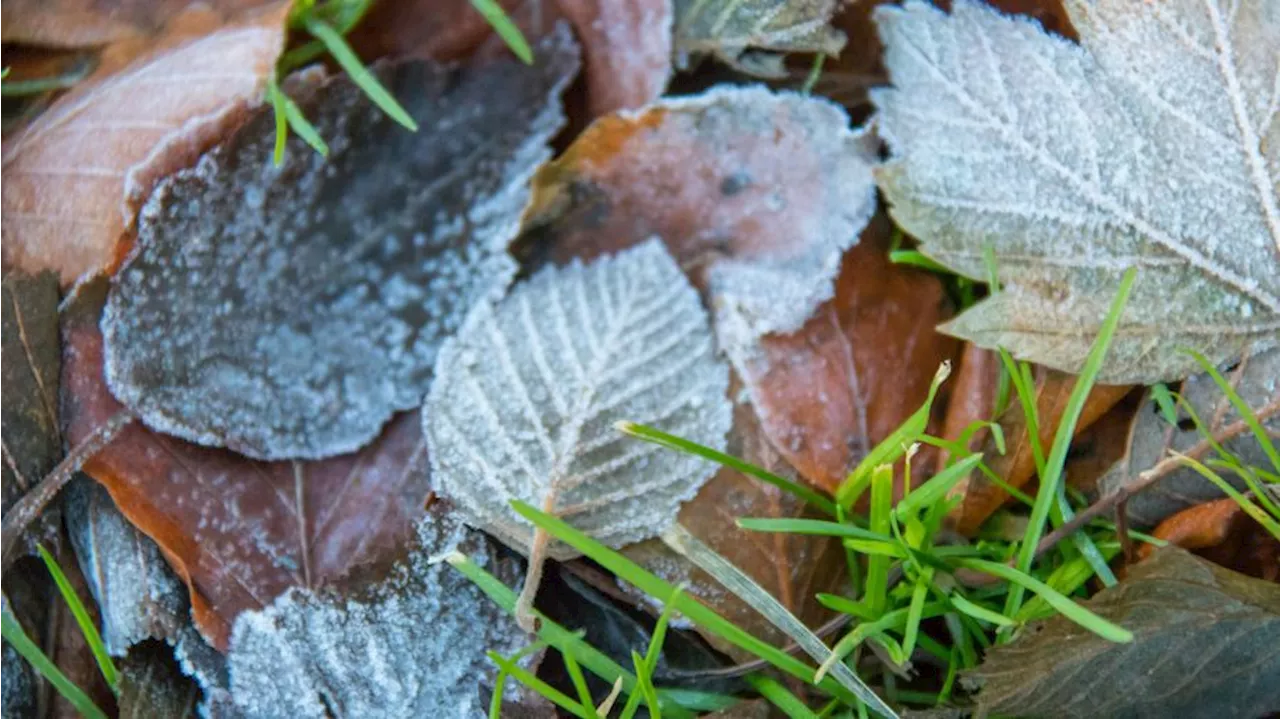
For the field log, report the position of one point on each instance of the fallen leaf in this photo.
(67, 646)
(747, 187)
(410, 645)
(92, 23)
(440, 30)
(626, 48)
(791, 567)
(753, 35)
(241, 532)
(137, 594)
(527, 395)
(1148, 144)
(153, 685)
(1017, 464)
(1152, 438)
(856, 370)
(288, 312)
(1198, 527)
(75, 178)
(972, 398)
(1206, 643)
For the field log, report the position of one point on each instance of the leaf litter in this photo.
(287, 313)
(1153, 143)
(752, 36)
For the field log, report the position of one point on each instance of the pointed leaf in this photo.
(1154, 143)
(527, 394)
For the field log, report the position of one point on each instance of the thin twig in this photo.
(32, 505)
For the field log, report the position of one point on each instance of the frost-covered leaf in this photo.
(753, 35)
(137, 594)
(1206, 644)
(626, 49)
(856, 370)
(1154, 143)
(748, 188)
(791, 567)
(287, 312)
(1152, 438)
(152, 685)
(239, 531)
(93, 23)
(527, 394)
(410, 645)
(75, 178)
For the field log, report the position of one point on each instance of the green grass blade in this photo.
(844, 605)
(915, 610)
(495, 701)
(83, 620)
(815, 72)
(779, 696)
(1052, 474)
(1085, 545)
(506, 29)
(579, 682)
(652, 653)
(1069, 609)
(18, 639)
(560, 699)
(1245, 411)
(979, 612)
(1258, 514)
(670, 441)
(284, 105)
(915, 258)
(810, 526)
(1160, 393)
(881, 518)
(936, 488)
(360, 74)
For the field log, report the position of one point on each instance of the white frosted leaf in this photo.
(1154, 143)
(410, 645)
(288, 312)
(526, 396)
(752, 35)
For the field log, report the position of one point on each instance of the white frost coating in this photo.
(1154, 143)
(288, 312)
(412, 646)
(527, 394)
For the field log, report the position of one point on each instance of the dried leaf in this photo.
(738, 213)
(972, 398)
(90, 23)
(1207, 643)
(791, 567)
(153, 685)
(829, 392)
(75, 178)
(1151, 438)
(289, 312)
(753, 35)
(1018, 465)
(241, 532)
(411, 645)
(527, 395)
(626, 48)
(1198, 527)
(136, 592)
(1152, 143)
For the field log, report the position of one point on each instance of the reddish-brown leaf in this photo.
(1198, 527)
(791, 567)
(241, 532)
(627, 48)
(75, 177)
(1017, 465)
(89, 23)
(441, 30)
(971, 398)
(857, 369)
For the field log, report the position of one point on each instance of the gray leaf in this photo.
(1154, 143)
(1206, 644)
(288, 312)
(527, 395)
(752, 35)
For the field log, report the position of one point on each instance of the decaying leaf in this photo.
(1017, 465)
(753, 35)
(89, 23)
(748, 188)
(1154, 143)
(1152, 438)
(527, 394)
(153, 685)
(856, 370)
(75, 178)
(1207, 643)
(241, 532)
(410, 645)
(288, 312)
(791, 567)
(971, 398)
(136, 592)
(1198, 527)
(626, 49)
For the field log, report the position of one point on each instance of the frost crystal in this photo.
(412, 645)
(288, 312)
(1154, 143)
(527, 395)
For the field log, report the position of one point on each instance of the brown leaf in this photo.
(1017, 465)
(441, 30)
(791, 567)
(75, 178)
(153, 685)
(857, 369)
(1198, 527)
(971, 398)
(627, 47)
(241, 532)
(89, 23)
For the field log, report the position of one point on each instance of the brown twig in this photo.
(26, 510)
